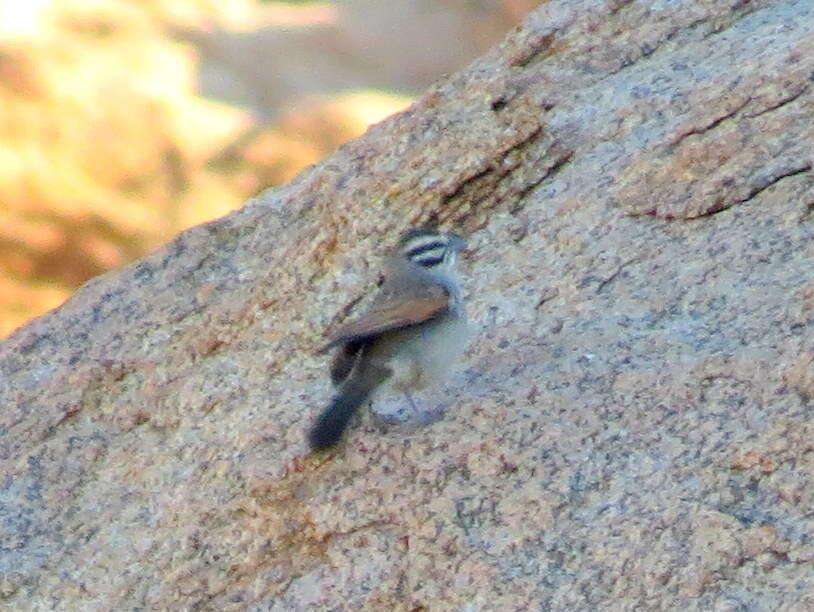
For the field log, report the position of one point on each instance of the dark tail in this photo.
(333, 421)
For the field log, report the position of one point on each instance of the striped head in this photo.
(430, 249)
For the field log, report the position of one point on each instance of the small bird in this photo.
(414, 331)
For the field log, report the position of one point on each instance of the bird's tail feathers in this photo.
(331, 424)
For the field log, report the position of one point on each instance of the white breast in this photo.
(423, 355)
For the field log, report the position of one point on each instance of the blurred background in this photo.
(122, 122)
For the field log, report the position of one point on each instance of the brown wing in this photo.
(396, 316)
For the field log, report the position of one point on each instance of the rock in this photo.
(631, 427)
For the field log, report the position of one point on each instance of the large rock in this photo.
(631, 427)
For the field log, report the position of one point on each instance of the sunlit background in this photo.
(122, 122)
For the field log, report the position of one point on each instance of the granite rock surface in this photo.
(631, 427)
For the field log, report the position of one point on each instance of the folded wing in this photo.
(389, 318)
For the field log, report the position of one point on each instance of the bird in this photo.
(414, 331)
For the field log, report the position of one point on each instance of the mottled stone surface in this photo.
(630, 429)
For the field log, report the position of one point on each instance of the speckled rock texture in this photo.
(631, 427)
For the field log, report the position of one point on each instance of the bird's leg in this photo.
(410, 399)
(424, 417)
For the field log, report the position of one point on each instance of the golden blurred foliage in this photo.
(107, 150)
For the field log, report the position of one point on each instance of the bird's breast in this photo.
(422, 355)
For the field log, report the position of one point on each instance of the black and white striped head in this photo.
(429, 248)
